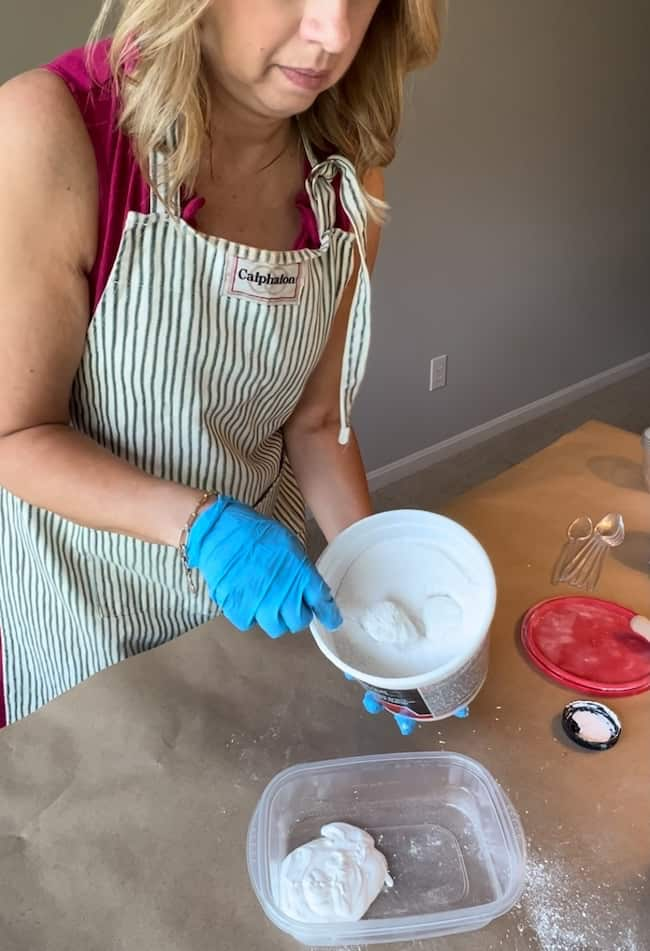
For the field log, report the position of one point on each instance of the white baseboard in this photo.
(478, 434)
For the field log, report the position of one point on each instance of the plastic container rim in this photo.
(388, 929)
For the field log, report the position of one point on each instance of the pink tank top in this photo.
(122, 186)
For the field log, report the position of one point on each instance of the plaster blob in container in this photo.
(334, 878)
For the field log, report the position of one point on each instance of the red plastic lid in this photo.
(588, 643)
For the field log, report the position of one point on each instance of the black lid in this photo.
(591, 725)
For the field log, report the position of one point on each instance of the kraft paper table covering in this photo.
(124, 805)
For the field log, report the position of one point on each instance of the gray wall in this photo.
(520, 231)
(33, 32)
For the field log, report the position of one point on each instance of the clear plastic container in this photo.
(453, 841)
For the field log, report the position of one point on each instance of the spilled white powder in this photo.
(562, 910)
(593, 727)
(334, 878)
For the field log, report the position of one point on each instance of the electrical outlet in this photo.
(438, 373)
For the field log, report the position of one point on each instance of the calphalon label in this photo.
(264, 283)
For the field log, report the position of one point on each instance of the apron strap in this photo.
(320, 189)
(160, 180)
(307, 146)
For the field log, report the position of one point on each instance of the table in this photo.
(124, 804)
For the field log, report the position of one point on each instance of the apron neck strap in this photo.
(158, 174)
(322, 195)
(307, 146)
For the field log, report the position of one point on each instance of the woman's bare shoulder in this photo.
(47, 164)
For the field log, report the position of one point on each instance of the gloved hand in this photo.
(406, 725)
(257, 571)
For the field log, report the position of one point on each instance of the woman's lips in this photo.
(306, 78)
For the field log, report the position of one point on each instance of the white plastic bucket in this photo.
(453, 556)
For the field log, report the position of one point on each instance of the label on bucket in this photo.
(409, 702)
(441, 699)
(448, 695)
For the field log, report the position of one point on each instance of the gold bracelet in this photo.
(182, 542)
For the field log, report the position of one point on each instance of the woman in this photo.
(178, 379)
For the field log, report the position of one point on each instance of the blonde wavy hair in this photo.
(156, 61)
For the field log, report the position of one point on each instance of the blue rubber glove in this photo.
(406, 725)
(257, 571)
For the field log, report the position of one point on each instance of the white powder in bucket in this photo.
(407, 609)
(389, 623)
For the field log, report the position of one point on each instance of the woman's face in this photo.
(276, 56)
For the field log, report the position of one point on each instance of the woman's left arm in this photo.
(332, 477)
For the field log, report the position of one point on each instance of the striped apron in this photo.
(196, 356)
